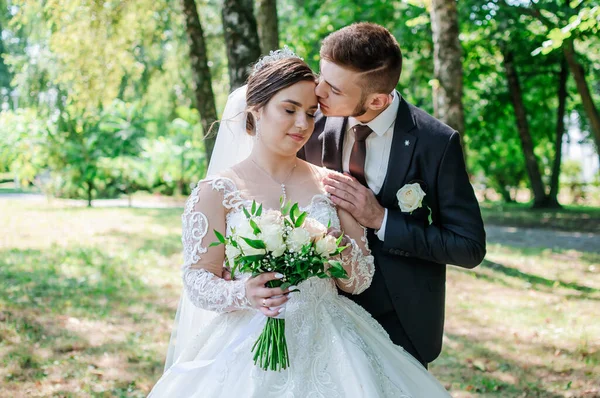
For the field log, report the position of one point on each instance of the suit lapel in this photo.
(333, 141)
(403, 145)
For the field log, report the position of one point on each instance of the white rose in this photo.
(410, 197)
(231, 252)
(326, 246)
(314, 228)
(272, 235)
(298, 238)
(245, 230)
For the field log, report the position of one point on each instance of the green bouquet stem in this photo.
(270, 350)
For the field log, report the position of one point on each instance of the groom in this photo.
(382, 143)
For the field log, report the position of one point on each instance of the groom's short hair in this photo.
(369, 49)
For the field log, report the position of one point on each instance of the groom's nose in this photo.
(321, 90)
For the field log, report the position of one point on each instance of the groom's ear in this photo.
(378, 101)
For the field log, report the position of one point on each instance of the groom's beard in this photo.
(360, 109)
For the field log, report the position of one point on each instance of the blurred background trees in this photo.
(105, 98)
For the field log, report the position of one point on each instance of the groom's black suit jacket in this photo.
(410, 276)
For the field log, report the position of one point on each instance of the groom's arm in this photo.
(457, 235)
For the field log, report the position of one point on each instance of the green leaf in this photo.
(295, 210)
(255, 227)
(215, 244)
(219, 236)
(253, 209)
(285, 285)
(301, 219)
(248, 216)
(255, 243)
(259, 211)
(285, 208)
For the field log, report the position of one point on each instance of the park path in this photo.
(537, 237)
(511, 236)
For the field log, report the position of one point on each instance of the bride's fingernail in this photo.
(278, 275)
(281, 310)
(293, 287)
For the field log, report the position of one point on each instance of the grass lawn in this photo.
(87, 298)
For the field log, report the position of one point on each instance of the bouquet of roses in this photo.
(287, 242)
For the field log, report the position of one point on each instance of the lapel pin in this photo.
(406, 143)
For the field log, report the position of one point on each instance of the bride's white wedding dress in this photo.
(336, 348)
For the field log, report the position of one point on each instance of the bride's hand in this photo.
(266, 300)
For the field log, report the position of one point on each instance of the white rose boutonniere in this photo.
(410, 198)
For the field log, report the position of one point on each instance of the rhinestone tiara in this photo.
(276, 55)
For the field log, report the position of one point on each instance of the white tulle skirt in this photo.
(336, 349)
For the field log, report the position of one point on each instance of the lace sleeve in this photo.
(357, 260)
(203, 266)
(212, 293)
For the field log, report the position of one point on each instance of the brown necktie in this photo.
(359, 152)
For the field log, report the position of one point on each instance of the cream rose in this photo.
(314, 228)
(326, 246)
(298, 238)
(269, 217)
(410, 197)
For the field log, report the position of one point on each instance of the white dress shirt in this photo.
(379, 146)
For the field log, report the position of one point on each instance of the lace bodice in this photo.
(203, 285)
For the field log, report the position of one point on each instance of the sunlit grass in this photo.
(87, 298)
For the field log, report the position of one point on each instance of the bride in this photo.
(335, 348)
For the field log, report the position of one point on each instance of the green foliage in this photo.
(23, 136)
(90, 54)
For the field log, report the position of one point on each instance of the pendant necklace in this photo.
(282, 184)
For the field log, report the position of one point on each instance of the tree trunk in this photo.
(537, 185)
(205, 99)
(447, 64)
(584, 91)
(241, 40)
(504, 192)
(560, 130)
(268, 32)
(90, 188)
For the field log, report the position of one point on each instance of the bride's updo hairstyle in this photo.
(268, 78)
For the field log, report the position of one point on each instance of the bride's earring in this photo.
(257, 128)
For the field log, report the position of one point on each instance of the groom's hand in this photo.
(358, 200)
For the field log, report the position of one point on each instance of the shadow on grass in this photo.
(41, 290)
(75, 281)
(468, 365)
(535, 279)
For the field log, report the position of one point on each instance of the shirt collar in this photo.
(382, 123)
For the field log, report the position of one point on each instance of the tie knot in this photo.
(362, 131)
